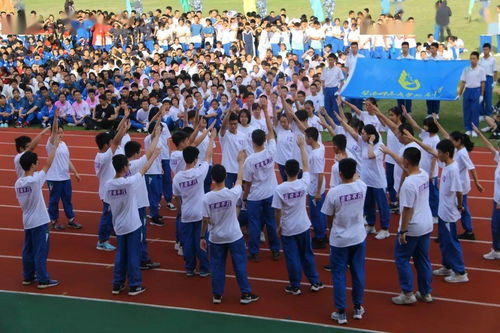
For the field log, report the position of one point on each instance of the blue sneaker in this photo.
(48, 284)
(105, 246)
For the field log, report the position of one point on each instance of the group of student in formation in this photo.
(211, 200)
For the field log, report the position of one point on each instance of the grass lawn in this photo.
(422, 10)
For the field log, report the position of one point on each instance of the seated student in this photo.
(104, 114)
(219, 215)
(6, 115)
(121, 196)
(46, 114)
(31, 108)
(24, 144)
(81, 112)
(344, 207)
(35, 219)
(142, 116)
(65, 110)
(16, 105)
(188, 190)
(293, 224)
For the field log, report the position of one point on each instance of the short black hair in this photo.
(233, 116)
(488, 45)
(340, 141)
(446, 146)
(103, 139)
(474, 53)
(120, 161)
(258, 137)
(132, 148)
(178, 137)
(190, 154)
(463, 139)
(347, 167)
(312, 132)
(218, 173)
(22, 142)
(405, 126)
(302, 115)
(412, 155)
(431, 125)
(28, 159)
(371, 130)
(292, 168)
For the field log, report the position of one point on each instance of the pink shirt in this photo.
(80, 110)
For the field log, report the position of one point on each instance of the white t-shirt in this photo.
(290, 197)
(449, 186)
(286, 146)
(372, 169)
(247, 132)
(121, 197)
(177, 162)
(220, 207)
(121, 148)
(231, 145)
(104, 170)
(426, 161)
(316, 167)
(398, 172)
(369, 119)
(393, 144)
(17, 165)
(141, 191)
(464, 164)
(155, 168)
(352, 146)
(30, 197)
(165, 149)
(259, 170)
(59, 170)
(345, 202)
(203, 147)
(335, 175)
(188, 185)
(496, 194)
(414, 194)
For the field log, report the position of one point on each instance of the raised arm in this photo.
(410, 120)
(386, 121)
(396, 157)
(155, 138)
(303, 154)
(348, 128)
(241, 160)
(34, 143)
(55, 127)
(269, 124)
(210, 149)
(442, 131)
(150, 161)
(123, 127)
(486, 142)
(52, 154)
(199, 139)
(425, 147)
(353, 107)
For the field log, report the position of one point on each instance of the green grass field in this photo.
(422, 11)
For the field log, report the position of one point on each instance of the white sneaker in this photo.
(486, 129)
(469, 133)
(474, 134)
(382, 234)
(427, 298)
(481, 118)
(71, 124)
(340, 318)
(492, 255)
(443, 271)
(358, 313)
(176, 246)
(457, 278)
(370, 229)
(180, 252)
(435, 220)
(262, 237)
(404, 299)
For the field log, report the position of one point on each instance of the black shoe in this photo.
(293, 291)
(467, 235)
(117, 289)
(157, 222)
(74, 225)
(56, 226)
(217, 299)
(29, 282)
(48, 284)
(149, 265)
(318, 243)
(327, 268)
(275, 255)
(133, 291)
(253, 257)
(248, 298)
(436, 240)
(317, 286)
(204, 274)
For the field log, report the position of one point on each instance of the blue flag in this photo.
(404, 79)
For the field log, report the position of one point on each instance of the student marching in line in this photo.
(121, 195)
(188, 190)
(372, 173)
(24, 144)
(289, 201)
(107, 145)
(219, 216)
(449, 211)
(260, 183)
(59, 181)
(316, 188)
(35, 217)
(495, 215)
(286, 140)
(414, 231)
(344, 206)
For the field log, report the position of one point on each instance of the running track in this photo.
(86, 272)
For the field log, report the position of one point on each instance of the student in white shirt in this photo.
(489, 64)
(463, 146)
(449, 211)
(286, 143)
(24, 144)
(232, 142)
(495, 215)
(59, 182)
(188, 191)
(472, 85)
(351, 61)
(339, 143)
(316, 188)
(405, 48)
(219, 216)
(414, 231)
(107, 145)
(35, 218)
(246, 127)
(289, 201)
(331, 78)
(344, 207)
(122, 199)
(154, 179)
(260, 178)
